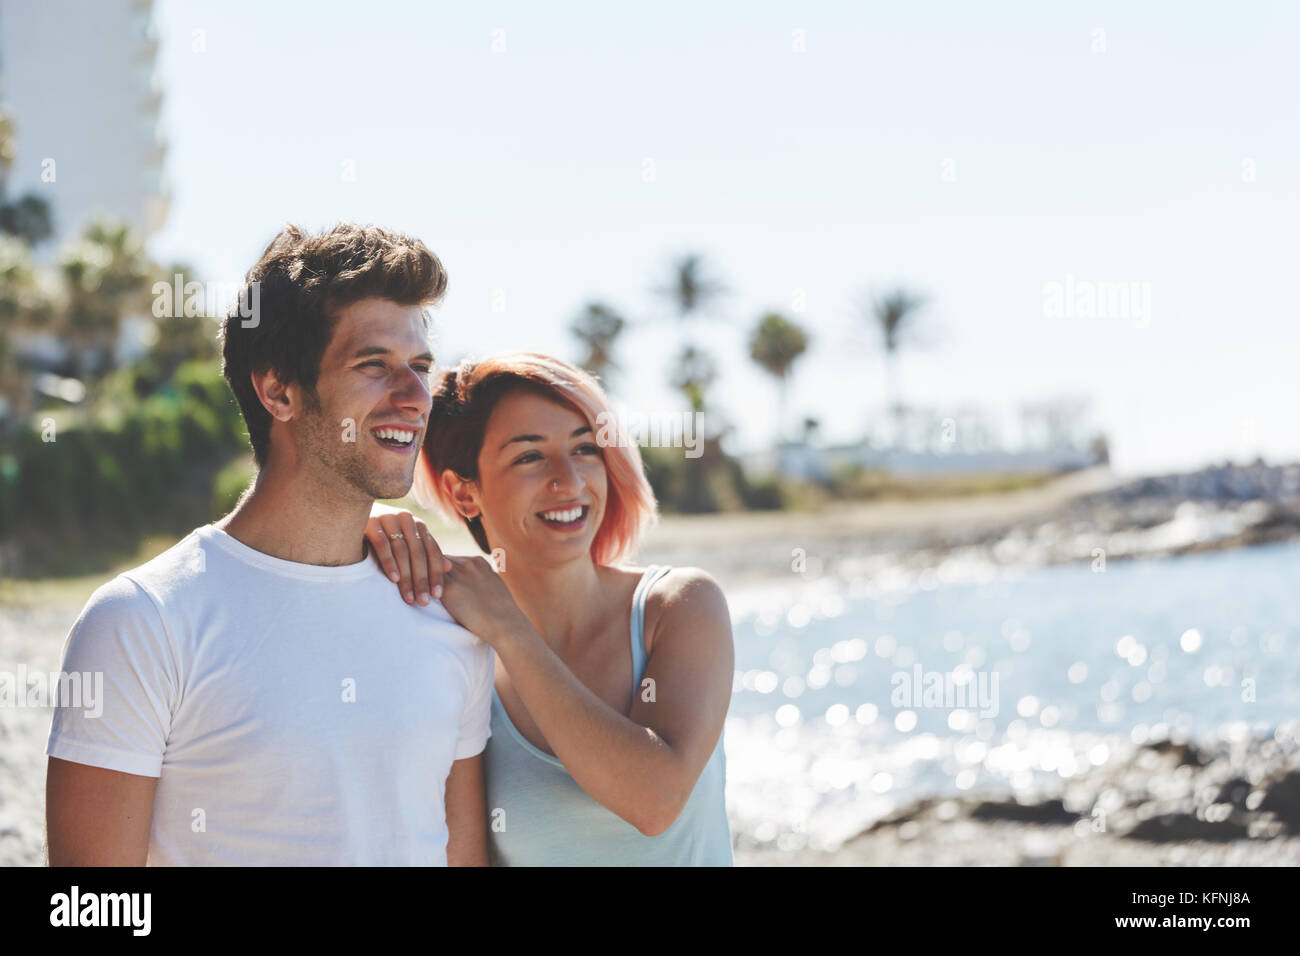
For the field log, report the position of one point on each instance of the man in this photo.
(269, 698)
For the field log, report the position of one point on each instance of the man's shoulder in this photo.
(119, 597)
(120, 621)
(183, 561)
(145, 588)
(475, 656)
(444, 628)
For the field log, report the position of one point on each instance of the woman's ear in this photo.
(461, 492)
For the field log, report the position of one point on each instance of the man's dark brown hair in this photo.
(299, 285)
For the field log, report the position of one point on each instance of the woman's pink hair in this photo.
(463, 400)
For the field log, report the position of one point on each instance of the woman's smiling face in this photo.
(542, 482)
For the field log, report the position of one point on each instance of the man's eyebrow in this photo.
(576, 432)
(380, 350)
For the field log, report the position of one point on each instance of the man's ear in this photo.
(274, 395)
(461, 492)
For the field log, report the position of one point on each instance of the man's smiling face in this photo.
(375, 375)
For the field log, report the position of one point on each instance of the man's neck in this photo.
(286, 519)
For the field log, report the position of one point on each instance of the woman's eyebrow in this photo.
(576, 432)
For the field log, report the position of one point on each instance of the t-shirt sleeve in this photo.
(122, 653)
(476, 719)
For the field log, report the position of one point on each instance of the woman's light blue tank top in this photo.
(538, 815)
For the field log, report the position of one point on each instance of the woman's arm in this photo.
(642, 767)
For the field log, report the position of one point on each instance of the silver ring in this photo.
(397, 536)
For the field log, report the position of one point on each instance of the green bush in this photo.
(158, 464)
(713, 482)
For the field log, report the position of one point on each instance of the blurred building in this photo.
(79, 79)
(1050, 435)
(808, 463)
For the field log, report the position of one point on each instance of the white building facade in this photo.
(79, 79)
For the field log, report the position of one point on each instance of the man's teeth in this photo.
(395, 434)
(573, 514)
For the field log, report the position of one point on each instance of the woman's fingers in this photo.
(380, 547)
(415, 552)
(409, 555)
(401, 555)
(433, 558)
(448, 565)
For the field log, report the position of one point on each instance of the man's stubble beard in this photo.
(340, 463)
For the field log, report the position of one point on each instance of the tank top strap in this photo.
(652, 574)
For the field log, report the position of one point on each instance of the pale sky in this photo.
(973, 153)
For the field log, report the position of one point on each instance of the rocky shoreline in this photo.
(1163, 803)
(1214, 509)
(1224, 506)
(1087, 518)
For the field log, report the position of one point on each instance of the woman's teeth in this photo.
(565, 517)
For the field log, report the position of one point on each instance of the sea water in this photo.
(847, 701)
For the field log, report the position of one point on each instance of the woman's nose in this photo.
(566, 478)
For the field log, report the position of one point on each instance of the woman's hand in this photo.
(481, 603)
(402, 545)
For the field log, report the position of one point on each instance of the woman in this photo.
(612, 683)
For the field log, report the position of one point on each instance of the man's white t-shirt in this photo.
(294, 714)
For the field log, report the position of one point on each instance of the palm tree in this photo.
(180, 338)
(811, 426)
(106, 276)
(695, 373)
(597, 328)
(692, 291)
(775, 345)
(26, 303)
(6, 144)
(29, 217)
(894, 314)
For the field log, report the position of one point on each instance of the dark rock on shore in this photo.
(1166, 802)
(1048, 812)
(1165, 790)
(1282, 799)
(1185, 753)
(1227, 482)
(1234, 792)
(1169, 827)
